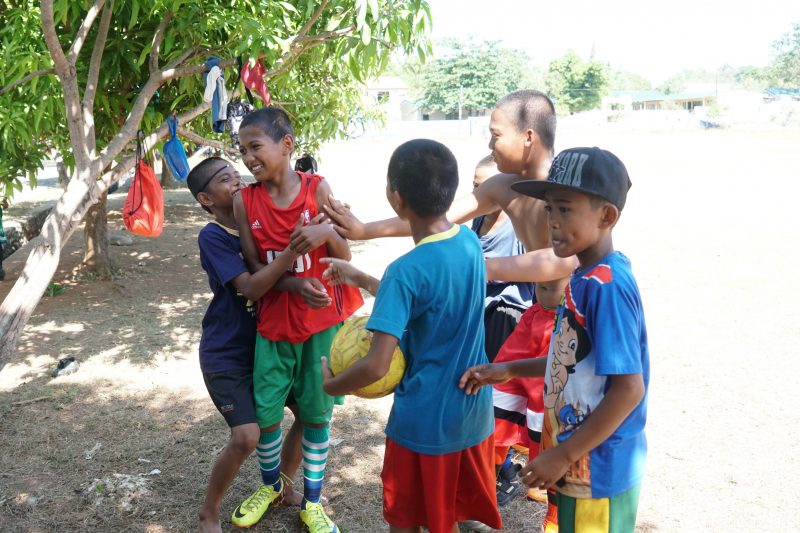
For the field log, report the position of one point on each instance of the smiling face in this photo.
(223, 186)
(265, 158)
(579, 224)
(508, 144)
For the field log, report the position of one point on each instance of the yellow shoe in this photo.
(549, 527)
(253, 508)
(315, 519)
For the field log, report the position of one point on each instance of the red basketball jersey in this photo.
(285, 316)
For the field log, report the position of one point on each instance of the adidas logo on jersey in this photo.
(255, 225)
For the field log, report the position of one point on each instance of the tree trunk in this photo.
(167, 181)
(63, 177)
(95, 235)
(42, 263)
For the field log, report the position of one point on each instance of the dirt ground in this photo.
(127, 442)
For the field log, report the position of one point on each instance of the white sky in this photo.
(654, 38)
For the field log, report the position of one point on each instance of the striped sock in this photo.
(268, 453)
(315, 455)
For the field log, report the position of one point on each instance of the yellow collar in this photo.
(454, 229)
(228, 230)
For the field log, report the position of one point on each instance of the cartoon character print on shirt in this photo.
(569, 347)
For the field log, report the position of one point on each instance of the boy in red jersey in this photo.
(295, 328)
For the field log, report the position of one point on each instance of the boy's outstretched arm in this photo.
(478, 202)
(341, 272)
(537, 266)
(494, 373)
(624, 394)
(363, 372)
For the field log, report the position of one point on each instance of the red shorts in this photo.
(437, 491)
(519, 403)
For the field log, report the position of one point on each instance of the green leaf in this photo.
(361, 16)
(134, 14)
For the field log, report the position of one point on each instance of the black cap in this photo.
(588, 170)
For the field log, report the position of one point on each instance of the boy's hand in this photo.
(344, 221)
(5, 203)
(313, 292)
(546, 469)
(340, 272)
(327, 375)
(478, 376)
(306, 238)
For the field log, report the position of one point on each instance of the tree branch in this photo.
(290, 58)
(26, 78)
(178, 61)
(94, 70)
(83, 32)
(51, 38)
(128, 131)
(158, 37)
(68, 75)
(324, 36)
(311, 21)
(219, 145)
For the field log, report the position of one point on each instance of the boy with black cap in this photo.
(229, 326)
(597, 371)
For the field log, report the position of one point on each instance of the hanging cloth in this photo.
(143, 211)
(174, 154)
(253, 78)
(215, 93)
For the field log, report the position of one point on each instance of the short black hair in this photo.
(487, 161)
(273, 121)
(532, 109)
(425, 173)
(200, 176)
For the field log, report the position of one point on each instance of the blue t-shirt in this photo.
(229, 325)
(432, 300)
(503, 242)
(599, 332)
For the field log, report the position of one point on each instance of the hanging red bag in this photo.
(143, 212)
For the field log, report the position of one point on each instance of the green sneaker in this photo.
(253, 508)
(315, 519)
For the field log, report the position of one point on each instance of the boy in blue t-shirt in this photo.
(597, 371)
(227, 343)
(437, 467)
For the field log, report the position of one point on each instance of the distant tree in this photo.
(622, 80)
(784, 69)
(576, 85)
(471, 76)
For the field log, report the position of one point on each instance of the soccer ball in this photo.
(350, 344)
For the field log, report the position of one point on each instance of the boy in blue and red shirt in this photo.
(294, 328)
(597, 370)
(437, 468)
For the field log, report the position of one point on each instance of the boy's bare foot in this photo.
(209, 526)
(294, 498)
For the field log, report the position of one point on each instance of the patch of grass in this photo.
(54, 289)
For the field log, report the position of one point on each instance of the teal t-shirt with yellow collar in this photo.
(431, 299)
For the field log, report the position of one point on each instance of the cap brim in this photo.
(538, 188)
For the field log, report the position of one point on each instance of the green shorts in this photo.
(599, 515)
(281, 367)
